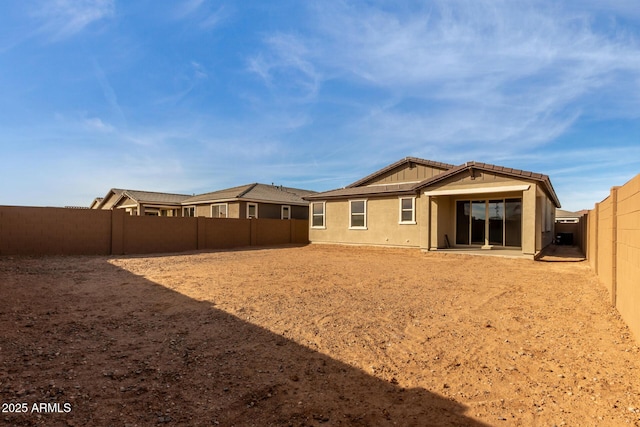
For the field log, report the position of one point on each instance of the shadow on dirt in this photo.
(76, 331)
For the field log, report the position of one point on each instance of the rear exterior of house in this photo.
(430, 205)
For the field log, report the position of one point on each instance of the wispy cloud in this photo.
(95, 123)
(60, 19)
(109, 93)
(202, 13)
(287, 66)
(490, 71)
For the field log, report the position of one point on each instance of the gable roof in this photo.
(254, 192)
(96, 202)
(560, 213)
(501, 170)
(406, 160)
(154, 197)
(117, 194)
(358, 189)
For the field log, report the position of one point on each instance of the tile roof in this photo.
(254, 192)
(560, 213)
(517, 173)
(355, 190)
(154, 197)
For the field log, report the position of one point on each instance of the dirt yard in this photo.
(312, 336)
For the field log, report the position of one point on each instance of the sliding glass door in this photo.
(496, 222)
(478, 216)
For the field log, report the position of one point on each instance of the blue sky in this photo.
(200, 95)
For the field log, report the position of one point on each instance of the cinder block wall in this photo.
(613, 249)
(151, 234)
(605, 243)
(224, 233)
(61, 231)
(628, 254)
(54, 231)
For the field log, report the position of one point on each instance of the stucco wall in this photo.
(383, 228)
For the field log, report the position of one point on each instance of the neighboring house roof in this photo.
(149, 197)
(359, 189)
(406, 160)
(115, 192)
(253, 192)
(560, 213)
(96, 202)
(154, 197)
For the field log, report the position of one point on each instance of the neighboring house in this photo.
(250, 201)
(566, 217)
(137, 202)
(96, 202)
(431, 205)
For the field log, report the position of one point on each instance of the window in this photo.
(358, 214)
(252, 210)
(407, 210)
(189, 211)
(317, 215)
(219, 210)
(285, 212)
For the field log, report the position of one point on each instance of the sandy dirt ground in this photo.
(312, 336)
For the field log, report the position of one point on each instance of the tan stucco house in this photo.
(250, 201)
(431, 205)
(245, 201)
(136, 202)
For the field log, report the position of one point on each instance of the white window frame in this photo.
(186, 209)
(248, 207)
(282, 208)
(358, 227)
(226, 210)
(322, 215)
(413, 210)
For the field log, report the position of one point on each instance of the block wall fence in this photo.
(613, 249)
(62, 231)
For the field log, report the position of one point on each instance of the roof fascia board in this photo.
(544, 179)
(351, 196)
(480, 190)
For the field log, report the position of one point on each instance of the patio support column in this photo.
(425, 227)
(529, 221)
